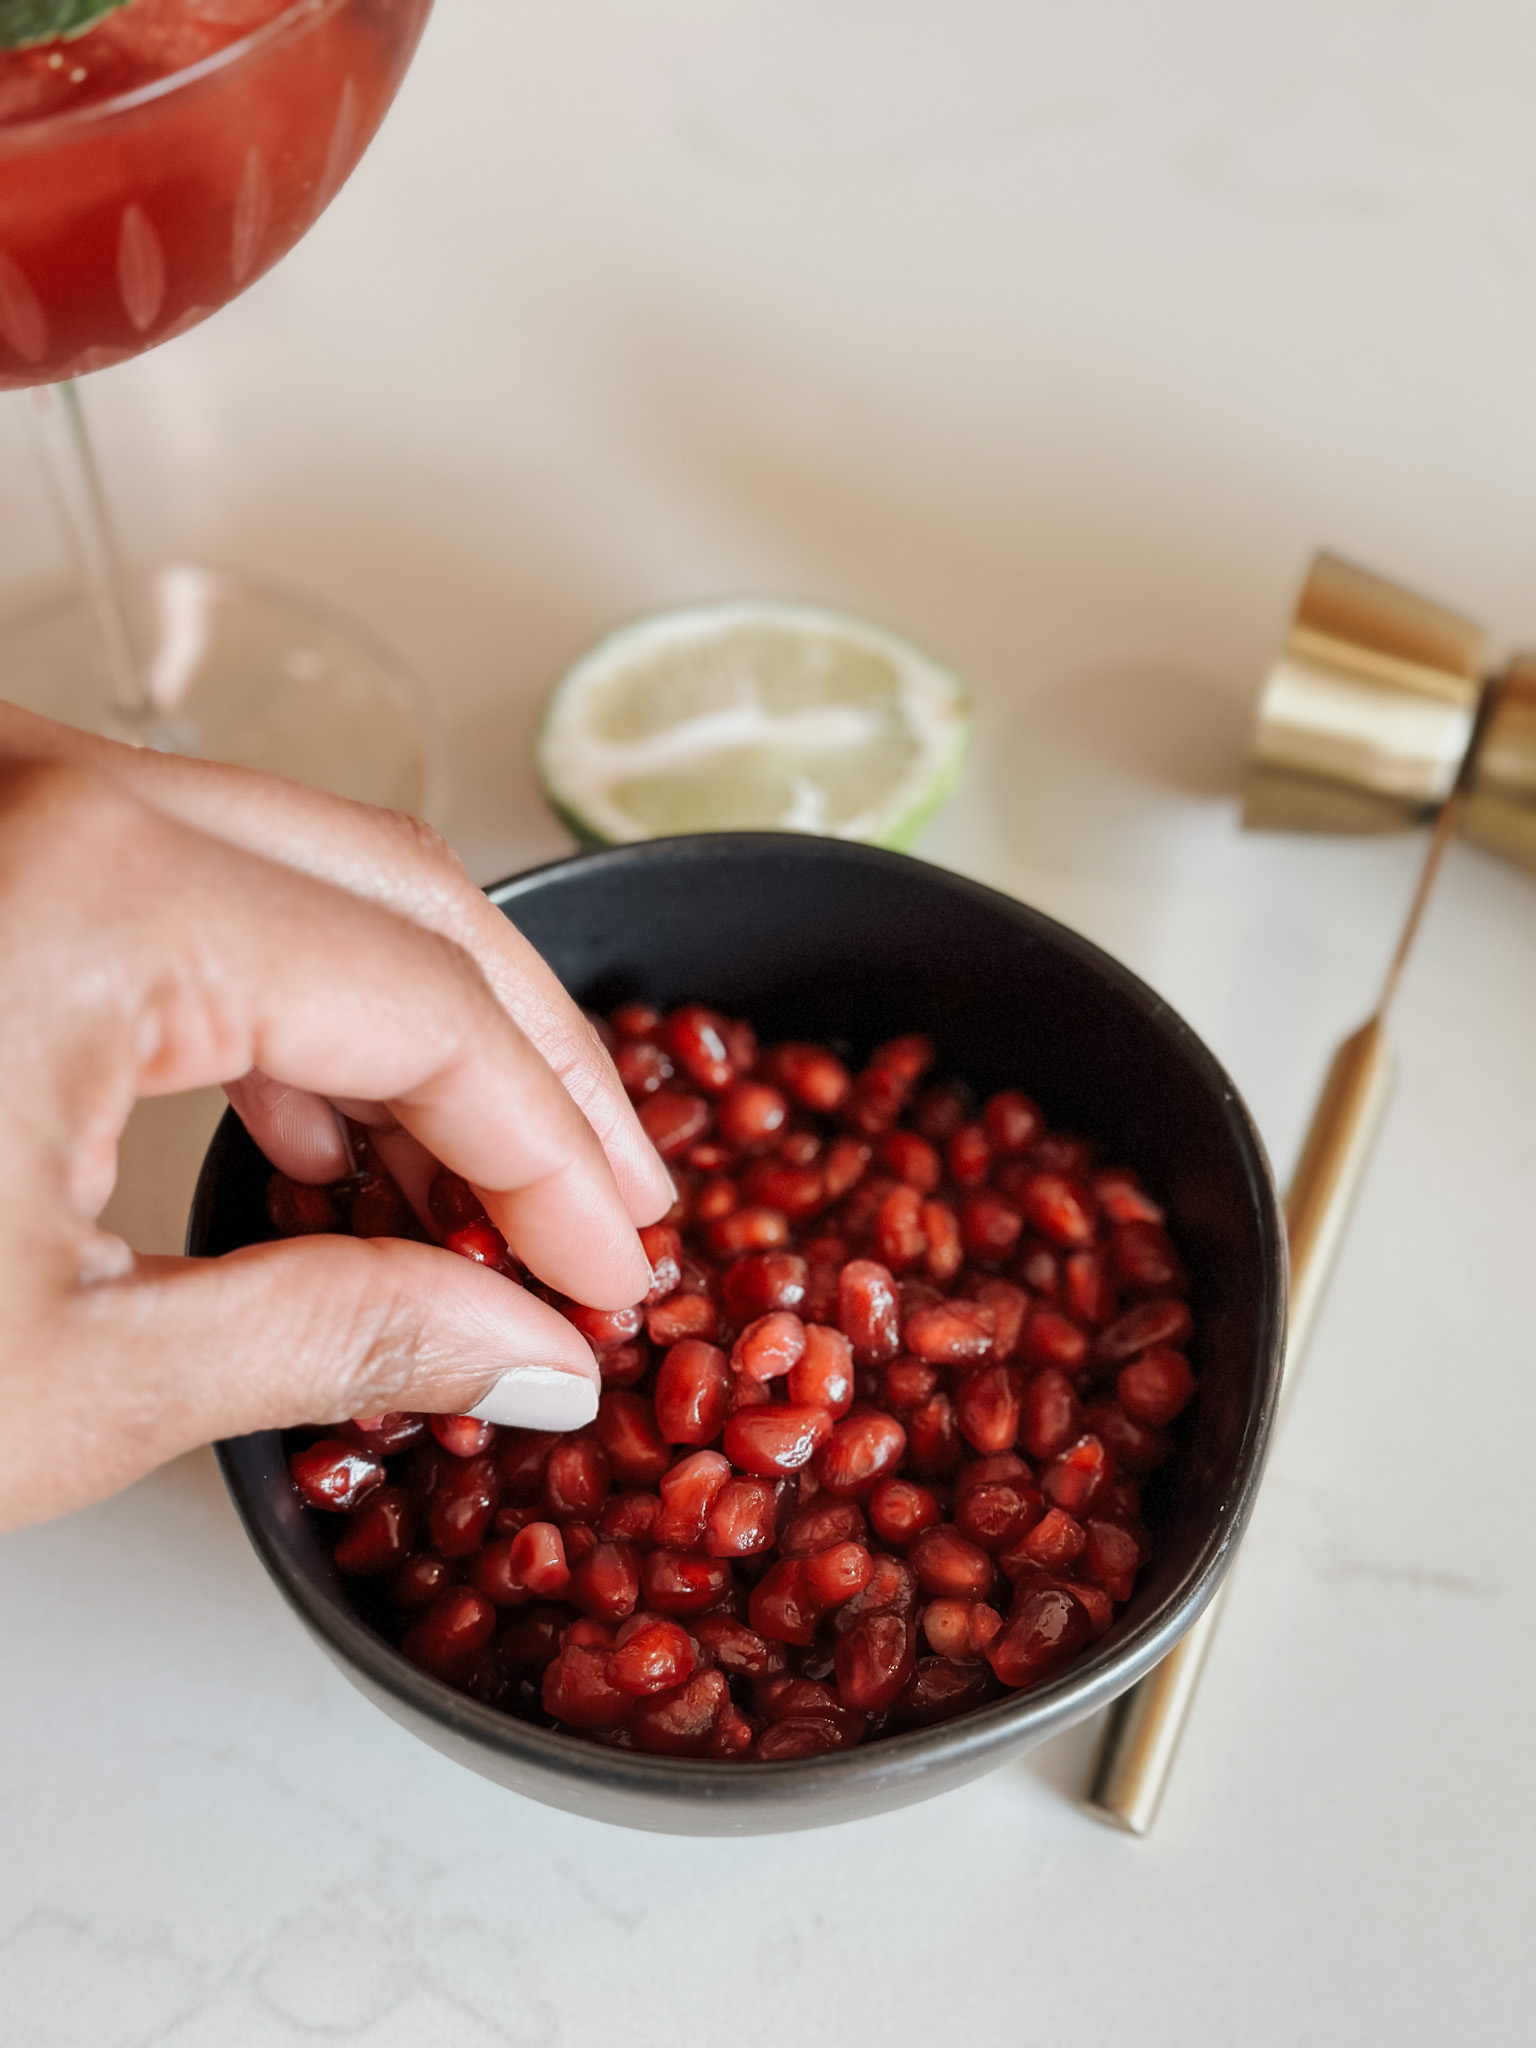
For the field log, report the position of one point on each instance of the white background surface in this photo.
(1055, 338)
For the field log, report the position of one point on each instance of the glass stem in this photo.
(77, 489)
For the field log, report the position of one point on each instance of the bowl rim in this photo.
(968, 1744)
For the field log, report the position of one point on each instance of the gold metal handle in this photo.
(1142, 1737)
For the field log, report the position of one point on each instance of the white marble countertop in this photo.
(1056, 339)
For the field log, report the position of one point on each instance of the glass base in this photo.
(235, 671)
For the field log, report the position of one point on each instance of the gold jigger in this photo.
(1376, 716)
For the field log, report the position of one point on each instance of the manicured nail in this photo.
(539, 1397)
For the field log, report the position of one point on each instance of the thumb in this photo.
(313, 1329)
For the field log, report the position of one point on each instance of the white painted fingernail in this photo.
(539, 1397)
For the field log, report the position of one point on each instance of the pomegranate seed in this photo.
(625, 1367)
(604, 1329)
(649, 1655)
(1122, 1198)
(482, 1242)
(716, 1199)
(385, 1434)
(1052, 1415)
(452, 1203)
(864, 1448)
(462, 1436)
(335, 1475)
(688, 1492)
(632, 1516)
(772, 1442)
(782, 1606)
(747, 1230)
(741, 1045)
(1145, 1261)
(664, 1248)
(900, 1510)
(822, 1377)
(683, 1581)
(799, 1737)
(377, 1208)
(737, 1648)
(1112, 1559)
(996, 1503)
(462, 1503)
(1088, 1290)
(934, 1443)
(673, 1122)
(1097, 1603)
(948, 1566)
(696, 1040)
(1040, 1269)
(733, 1734)
(741, 1520)
(751, 1114)
(576, 1689)
(581, 1539)
(577, 1474)
(418, 1580)
(606, 1582)
(940, 1689)
(795, 1191)
(814, 1077)
(1048, 1629)
(892, 1590)
(378, 1535)
(531, 1637)
(1075, 1477)
(913, 1160)
(770, 1347)
(899, 1236)
(1053, 1339)
(877, 1098)
(1059, 1209)
(643, 1068)
(969, 1156)
(520, 1459)
(988, 1408)
(836, 1574)
(1056, 1541)
(944, 1254)
(906, 1383)
(760, 1282)
(847, 1162)
(636, 1020)
(445, 1636)
(534, 1560)
(960, 1628)
(1012, 1123)
(1139, 1329)
(1057, 1152)
(680, 1316)
(822, 1525)
(874, 1659)
(867, 1312)
(628, 1447)
(693, 1393)
(1137, 1446)
(1156, 1387)
(1009, 1306)
(951, 1332)
(296, 1210)
(907, 1058)
(989, 1226)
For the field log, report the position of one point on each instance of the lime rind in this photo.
(752, 714)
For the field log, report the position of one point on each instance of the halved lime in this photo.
(750, 716)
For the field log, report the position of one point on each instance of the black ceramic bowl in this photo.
(817, 938)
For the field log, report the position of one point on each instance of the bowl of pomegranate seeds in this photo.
(943, 1414)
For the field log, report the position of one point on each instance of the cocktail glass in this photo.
(151, 168)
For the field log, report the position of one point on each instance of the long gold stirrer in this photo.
(1375, 711)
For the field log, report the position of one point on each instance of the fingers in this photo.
(400, 865)
(299, 1132)
(179, 1351)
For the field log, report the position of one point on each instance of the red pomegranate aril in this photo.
(462, 1436)
(1048, 1629)
(873, 1660)
(418, 1580)
(760, 1282)
(846, 1163)
(801, 1736)
(1151, 1323)
(1075, 1477)
(988, 1407)
(1012, 1123)
(663, 1246)
(605, 1583)
(463, 1501)
(1087, 1288)
(823, 1376)
(696, 1039)
(521, 1457)
(900, 1509)
(636, 1020)
(377, 1538)
(960, 1629)
(814, 1077)
(867, 1311)
(907, 1058)
(834, 1575)
(1144, 1260)
(771, 1442)
(940, 1689)
(996, 1513)
(945, 1252)
(751, 1114)
(900, 1239)
(1096, 1602)
(969, 1156)
(989, 1226)
(452, 1203)
(1122, 1198)
(747, 1230)
(1009, 1306)
(445, 1636)
(824, 1523)
(680, 1316)
(875, 1102)
(736, 1648)
(733, 1734)
(862, 1449)
(649, 1655)
(782, 1607)
(1059, 1209)
(576, 1689)
(388, 1433)
(577, 1475)
(335, 1475)
(799, 1147)
(1156, 1387)
(934, 1442)
(1112, 1558)
(715, 1199)
(632, 1516)
(693, 1393)
(377, 1208)
(1137, 1447)
(1052, 1414)
(1041, 1270)
(1056, 1541)
(1059, 1152)
(913, 1160)
(947, 1566)
(688, 1492)
(581, 1539)
(531, 1636)
(625, 1367)
(954, 1332)
(940, 1111)
(295, 1209)
(481, 1242)
(795, 1191)
(770, 1347)
(683, 1581)
(892, 1589)
(643, 1068)
(626, 1445)
(605, 1329)
(906, 1383)
(673, 1122)
(741, 1519)
(1051, 1338)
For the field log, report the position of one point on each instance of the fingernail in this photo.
(539, 1397)
(348, 1148)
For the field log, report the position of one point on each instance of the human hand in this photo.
(170, 923)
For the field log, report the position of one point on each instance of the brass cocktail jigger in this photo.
(1378, 715)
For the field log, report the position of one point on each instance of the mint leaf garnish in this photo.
(45, 21)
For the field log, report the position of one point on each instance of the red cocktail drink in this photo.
(156, 165)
